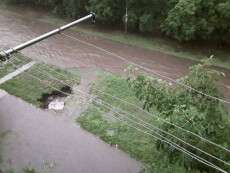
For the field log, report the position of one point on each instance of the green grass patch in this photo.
(96, 120)
(7, 67)
(100, 121)
(136, 144)
(38, 80)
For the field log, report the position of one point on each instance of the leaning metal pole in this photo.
(6, 53)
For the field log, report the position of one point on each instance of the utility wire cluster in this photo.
(135, 122)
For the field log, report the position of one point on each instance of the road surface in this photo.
(21, 24)
(43, 140)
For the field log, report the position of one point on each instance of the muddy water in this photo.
(20, 24)
(72, 149)
(51, 143)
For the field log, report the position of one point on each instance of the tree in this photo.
(194, 112)
(198, 20)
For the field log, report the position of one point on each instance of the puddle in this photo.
(55, 99)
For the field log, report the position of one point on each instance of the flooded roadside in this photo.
(41, 134)
(22, 24)
(50, 143)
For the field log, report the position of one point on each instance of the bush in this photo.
(183, 20)
(191, 110)
(198, 20)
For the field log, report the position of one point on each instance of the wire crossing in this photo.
(147, 69)
(165, 139)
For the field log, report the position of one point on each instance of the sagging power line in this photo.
(189, 88)
(157, 135)
(7, 53)
(3, 54)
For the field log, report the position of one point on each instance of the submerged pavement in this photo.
(49, 142)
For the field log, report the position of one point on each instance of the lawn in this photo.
(100, 121)
(7, 67)
(105, 123)
(38, 80)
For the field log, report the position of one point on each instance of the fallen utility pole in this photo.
(6, 53)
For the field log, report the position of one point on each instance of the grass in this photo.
(136, 144)
(7, 67)
(31, 89)
(100, 121)
(25, 170)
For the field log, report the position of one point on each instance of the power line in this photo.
(175, 82)
(165, 132)
(146, 123)
(158, 118)
(147, 69)
(166, 141)
(194, 157)
(144, 68)
(173, 144)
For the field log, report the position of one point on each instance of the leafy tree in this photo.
(108, 11)
(183, 20)
(193, 111)
(198, 19)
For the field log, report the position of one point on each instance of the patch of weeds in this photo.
(29, 170)
(39, 80)
(115, 90)
(139, 146)
(4, 134)
(6, 67)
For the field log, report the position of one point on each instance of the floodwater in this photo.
(45, 140)
(21, 24)
(52, 143)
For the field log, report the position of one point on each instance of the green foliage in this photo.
(69, 8)
(31, 89)
(183, 20)
(197, 113)
(108, 11)
(29, 170)
(198, 19)
(136, 144)
(143, 147)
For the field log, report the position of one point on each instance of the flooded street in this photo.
(48, 141)
(52, 143)
(21, 24)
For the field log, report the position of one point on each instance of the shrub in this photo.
(191, 110)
